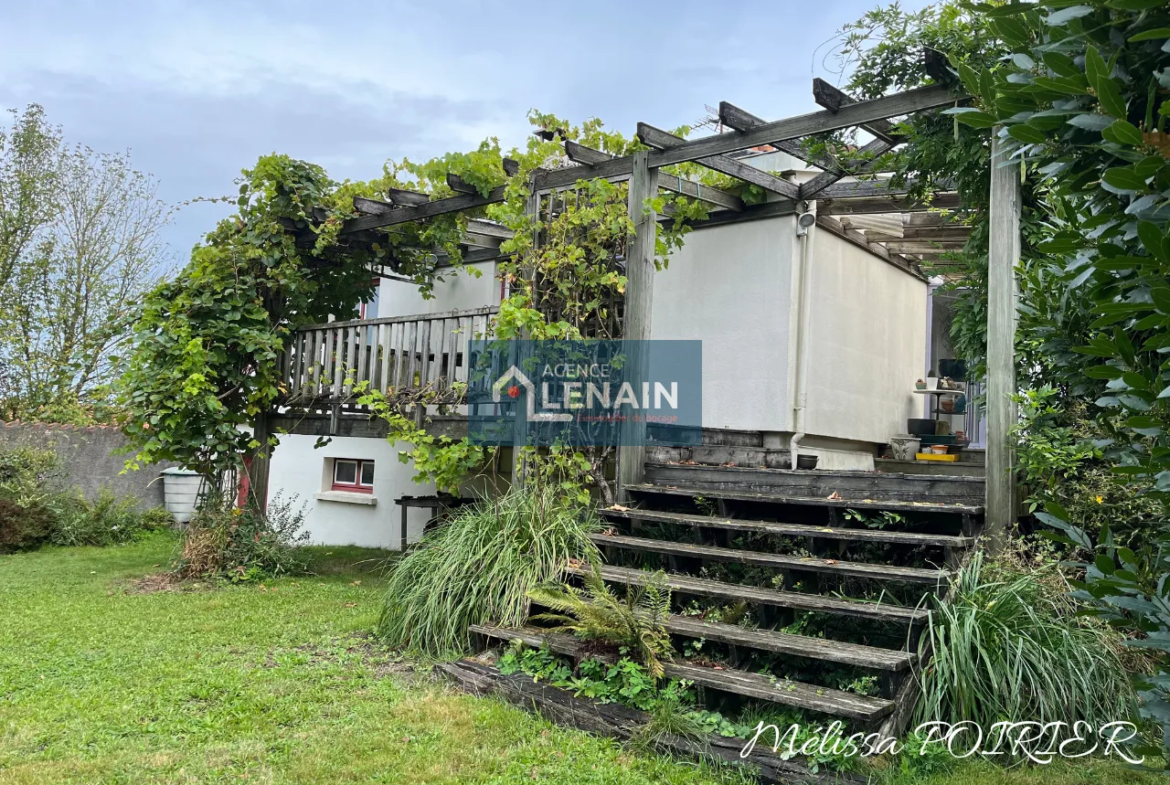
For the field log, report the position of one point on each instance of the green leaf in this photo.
(1152, 35)
(1066, 15)
(1154, 239)
(1023, 62)
(1103, 372)
(1161, 297)
(1095, 65)
(1123, 132)
(1109, 94)
(1027, 134)
(1124, 178)
(1062, 65)
(1012, 31)
(1135, 5)
(977, 119)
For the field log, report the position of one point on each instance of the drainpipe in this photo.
(799, 392)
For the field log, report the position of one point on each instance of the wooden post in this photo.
(1003, 254)
(259, 465)
(639, 303)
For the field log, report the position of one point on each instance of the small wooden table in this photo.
(437, 504)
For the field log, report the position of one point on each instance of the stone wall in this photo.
(88, 459)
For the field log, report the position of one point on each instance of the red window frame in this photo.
(357, 486)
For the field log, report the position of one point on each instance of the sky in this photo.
(197, 90)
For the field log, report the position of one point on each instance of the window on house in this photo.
(355, 476)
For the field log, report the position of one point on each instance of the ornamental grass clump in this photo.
(480, 566)
(1009, 650)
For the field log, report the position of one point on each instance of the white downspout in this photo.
(800, 393)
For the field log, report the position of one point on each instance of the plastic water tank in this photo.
(180, 492)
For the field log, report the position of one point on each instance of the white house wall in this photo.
(730, 287)
(458, 291)
(867, 342)
(299, 469)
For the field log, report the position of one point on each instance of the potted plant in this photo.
(919, 385)
(932, 381)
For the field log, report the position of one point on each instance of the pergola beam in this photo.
(871, 205)
(719, 144)
(833, 99)
(805, 125)
(587, 156)
(739, 119)
(662, 140)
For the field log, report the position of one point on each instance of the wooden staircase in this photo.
(834, 570)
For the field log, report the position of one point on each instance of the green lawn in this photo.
(274, 684)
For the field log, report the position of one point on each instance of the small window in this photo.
(353, 475)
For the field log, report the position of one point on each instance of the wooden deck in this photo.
(326, 362)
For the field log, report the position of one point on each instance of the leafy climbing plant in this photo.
(1082, 100)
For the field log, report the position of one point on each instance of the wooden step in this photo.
(808, 501)
(760, 686)
(795, 529)
(793, 645)
(613, 720)
(798, 601)
(886, 486)
(880, 572)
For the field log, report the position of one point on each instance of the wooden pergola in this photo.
(871, 213)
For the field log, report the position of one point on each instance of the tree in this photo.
(79, 246)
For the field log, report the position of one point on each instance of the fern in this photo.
(595, 612)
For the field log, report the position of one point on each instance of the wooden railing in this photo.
(325, 361)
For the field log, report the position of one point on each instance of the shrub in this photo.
(108, 520)
(26, 474)
(635, 622)
(1010, 649)
(242, 544)
(479, 567)
(24, 528)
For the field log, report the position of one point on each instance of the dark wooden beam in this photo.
(815, 187)
(870, 205)
(430, 209)
(805, 125)
(921, 246)
(742, 120)
(833, 99)
(590, 157)
(718, 144)
(457, 183)
(475, 228)
(403, 198)
(755, 212)
(662, 140)
(511, 167)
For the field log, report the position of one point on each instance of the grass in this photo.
(272, 684)
(278, 684)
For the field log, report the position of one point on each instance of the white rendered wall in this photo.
(458, 291)
(867, 342)
(729, 287)
(299, 469)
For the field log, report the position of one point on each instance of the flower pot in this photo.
(938, 449)
(947, 405)
(932, 382)
(918, 426)
(806, 462)
(904, 446)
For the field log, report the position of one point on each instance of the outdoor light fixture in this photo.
(804, 222)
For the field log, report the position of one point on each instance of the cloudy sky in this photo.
(198, 90)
